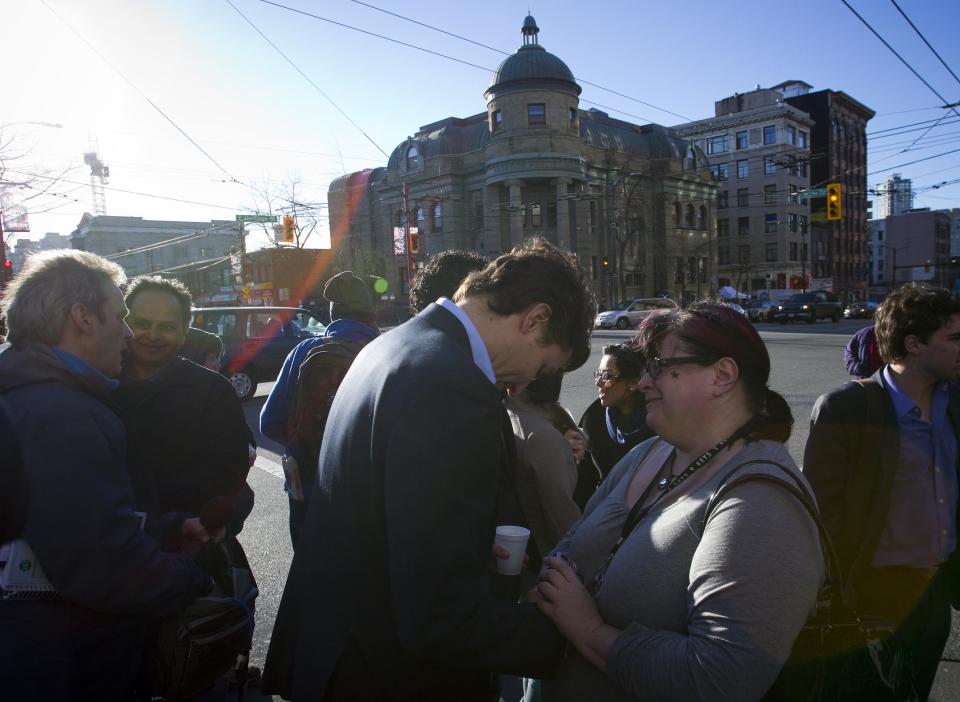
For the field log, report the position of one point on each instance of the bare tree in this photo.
(288, 198)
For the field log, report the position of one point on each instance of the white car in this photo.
(632, 313)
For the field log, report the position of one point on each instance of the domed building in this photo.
(635, 203)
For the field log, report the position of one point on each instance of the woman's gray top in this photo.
(708, 616)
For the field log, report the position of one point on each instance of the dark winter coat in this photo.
(82, 523)
(186, 432)
(389, 596)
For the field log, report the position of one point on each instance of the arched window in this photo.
(689, 220)
(676, 213)
(702, 217)
(414, 161)
(437, 217)
(421, 218)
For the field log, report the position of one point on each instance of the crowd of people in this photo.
(674, 549)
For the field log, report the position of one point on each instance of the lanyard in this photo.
(639, 511)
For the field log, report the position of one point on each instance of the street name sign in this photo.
(256, 218)
(811, 193)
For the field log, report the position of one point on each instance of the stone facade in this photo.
(535, 164)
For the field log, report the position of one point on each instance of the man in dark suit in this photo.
(389, 595)
(882, 458)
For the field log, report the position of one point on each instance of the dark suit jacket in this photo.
(389, 596)
(851, 459)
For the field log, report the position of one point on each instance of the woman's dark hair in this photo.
(716, 331)
(629, 360)
(545, 388)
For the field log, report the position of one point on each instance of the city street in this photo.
(807, 360)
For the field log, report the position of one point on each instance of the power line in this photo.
(305, 76)
(507, 53)
(902, 60)
(424, 50)
(140, 92)
(128, 192)
(919, 34)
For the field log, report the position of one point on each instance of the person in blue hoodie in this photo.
(353, 320)
(100, 573)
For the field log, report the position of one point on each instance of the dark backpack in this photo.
(320, 374)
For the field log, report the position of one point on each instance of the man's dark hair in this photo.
(172, 287)
(916, 309)
(442, 276)
(535, 272)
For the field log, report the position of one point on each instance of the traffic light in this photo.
(605, 263)
(926, 266)
(414, 243)
(834, 203)
(288, 229)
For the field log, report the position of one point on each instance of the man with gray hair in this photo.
(76, 631)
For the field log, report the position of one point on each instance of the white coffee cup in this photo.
(513, 539)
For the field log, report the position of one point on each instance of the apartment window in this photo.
(723, 255)
(770, 134)
(742, 141)
(770, 253)
(769, 194)
(769, 166)
(551, 214)
(792, 222)
(743, 197)
(802, 222)
(689, 219)
(414, 161)
(743, 169)
(793, 198)
(722, 199)
(536, 113)
(206, 251)
(794, 251)
(676, 213)
(802, 139)
(770, 223)
(802, 168)
(701, 217)
(723, 227)
(536, 219)
(743, 226)
(496, 121)
(743, 253)
(437, 217)
(791, 135)
(572, 117)
(721, 171)
(718, 144)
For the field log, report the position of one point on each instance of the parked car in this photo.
(736, 308)
(861, 310)
(629, 316)
(759, 310)
(256, 340)
(809, 307)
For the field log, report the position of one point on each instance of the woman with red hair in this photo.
(660, 597)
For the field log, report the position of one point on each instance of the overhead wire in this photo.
(507, 53)
(306, 77)
(139, 91)
(924, 39)
(902, 60)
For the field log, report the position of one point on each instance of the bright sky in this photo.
(261, 122)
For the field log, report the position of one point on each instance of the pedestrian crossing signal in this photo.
(834, 202)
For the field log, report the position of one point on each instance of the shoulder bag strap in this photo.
(832, 564)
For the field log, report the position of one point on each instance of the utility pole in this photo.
(4, 271)
(611, 247)
(406, 237)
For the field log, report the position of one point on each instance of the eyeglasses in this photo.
(656, 364)
(605, 377)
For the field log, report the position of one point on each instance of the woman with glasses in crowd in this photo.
(659, 598)
(616, 421)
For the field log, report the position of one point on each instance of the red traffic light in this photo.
(8, 264)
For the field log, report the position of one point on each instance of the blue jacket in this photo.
(82, 523)
(276, 410)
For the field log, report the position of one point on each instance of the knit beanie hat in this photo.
(349, 298)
